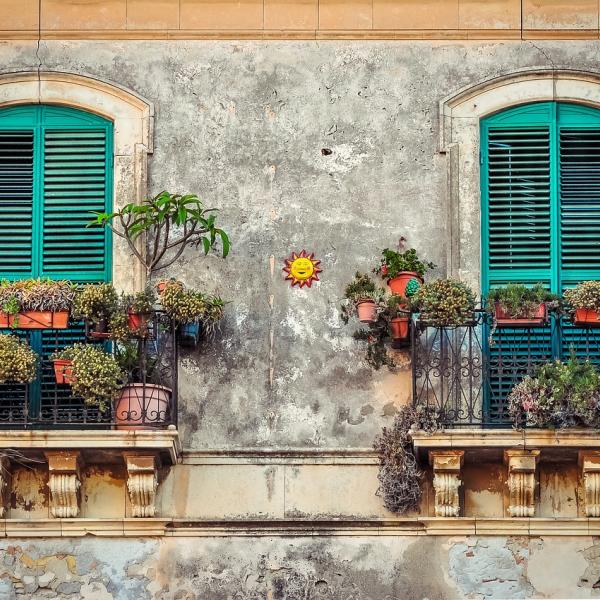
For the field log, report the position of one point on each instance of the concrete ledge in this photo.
(93, 441)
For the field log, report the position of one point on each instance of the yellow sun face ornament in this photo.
(302, 269)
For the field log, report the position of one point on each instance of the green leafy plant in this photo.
(18, 362)
(445, 303)
(393, 263)
(168, 224)
(96, 376)
(400, 477)
(137, 367)
(96, 302)
(41, 294)
(585, 295)
(519, 301)
(560, 394)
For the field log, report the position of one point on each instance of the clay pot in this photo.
(35, 319)
(63, 370)
(585, 317)
(367, 311)
(142, 406)
(398, 284)
(137, 321)
(503, 320)
(399, 328)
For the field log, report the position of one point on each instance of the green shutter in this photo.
(540, 223)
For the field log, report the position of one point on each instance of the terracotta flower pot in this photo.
(142, 406)
(504, 320)
(367, 311)
(398, 284)
(35, 319)
(63, 370)
(584, 317)
(161, 285)
(137, 321)
(399, 328)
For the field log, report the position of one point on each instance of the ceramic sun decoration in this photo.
(302, 269)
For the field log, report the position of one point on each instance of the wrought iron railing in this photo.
(466, 373)
(148, 398)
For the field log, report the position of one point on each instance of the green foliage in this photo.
(445, 303)
(170, 223)
(586, 295)
(519, 301)
(562, 394)
(96, 302)
(41, 294)
(361, 288)
(18, 362)
(393, 263)
(131, 364)
(141, 302)
(96, 375)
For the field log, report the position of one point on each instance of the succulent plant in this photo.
(41, 294)
(18, 362)
(519, 301)
(585, 295)
(184, 306)
(445, 303)
(141, 302)
(96, 302)
(96, 375)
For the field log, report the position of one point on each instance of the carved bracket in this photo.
(589, 462)
(64, 482)
(521, 481)
(447, 465)
(142, 482)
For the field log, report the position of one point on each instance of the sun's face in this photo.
(302, 269)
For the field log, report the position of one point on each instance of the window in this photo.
(55, 167)
(540, 219)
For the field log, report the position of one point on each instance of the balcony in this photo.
(465, 373)
(148, 398)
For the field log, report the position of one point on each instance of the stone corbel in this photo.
(447, 465)
(64, 482)
(589, 462)
(521, 481)
(142, 482)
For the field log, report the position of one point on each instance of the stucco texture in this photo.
(244, 125)
(390, 568)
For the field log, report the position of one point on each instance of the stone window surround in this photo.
(133, 119)
(459, 139)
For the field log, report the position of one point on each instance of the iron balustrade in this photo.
(466, 373)
(151, 361)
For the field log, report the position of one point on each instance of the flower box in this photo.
(504, 320)
(35, 319)
(587, 317)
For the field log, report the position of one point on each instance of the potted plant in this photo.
(560, 394)
(361, 298)
(36, 303)
(444, 303)
(18, 362)
(186, 307)
(517, 305)
(399, 317)
(139, 310)
(143, 403)
(172, 221)
(94, 375)
(96, 303)
(62, 361)
(401, 267)
(584, 299)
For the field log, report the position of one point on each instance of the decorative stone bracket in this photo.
(446, 481)
(521, 481)
(64, 482)
(590, 475)
(142, 482)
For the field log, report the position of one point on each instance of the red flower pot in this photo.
(586, 317)
(398, 284)
(367, 311)
(63, 370)
(399, 328)
(137, 321)
(503, 320)
(35, 319)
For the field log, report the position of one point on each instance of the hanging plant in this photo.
(445, 303)
(18, 362)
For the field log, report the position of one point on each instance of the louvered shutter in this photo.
(55, 168)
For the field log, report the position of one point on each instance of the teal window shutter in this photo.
(540, 221)
(55, 169)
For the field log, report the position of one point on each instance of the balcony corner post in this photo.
(64, 482)
(142, 483)
(447, 466)
(521, 481)
(589, 462)
(5, 477)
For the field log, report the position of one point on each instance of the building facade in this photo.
(334, 127)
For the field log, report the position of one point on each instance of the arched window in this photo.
(540, 175)
(55, 169)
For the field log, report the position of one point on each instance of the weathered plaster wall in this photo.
(244, 124)
(363, 568)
